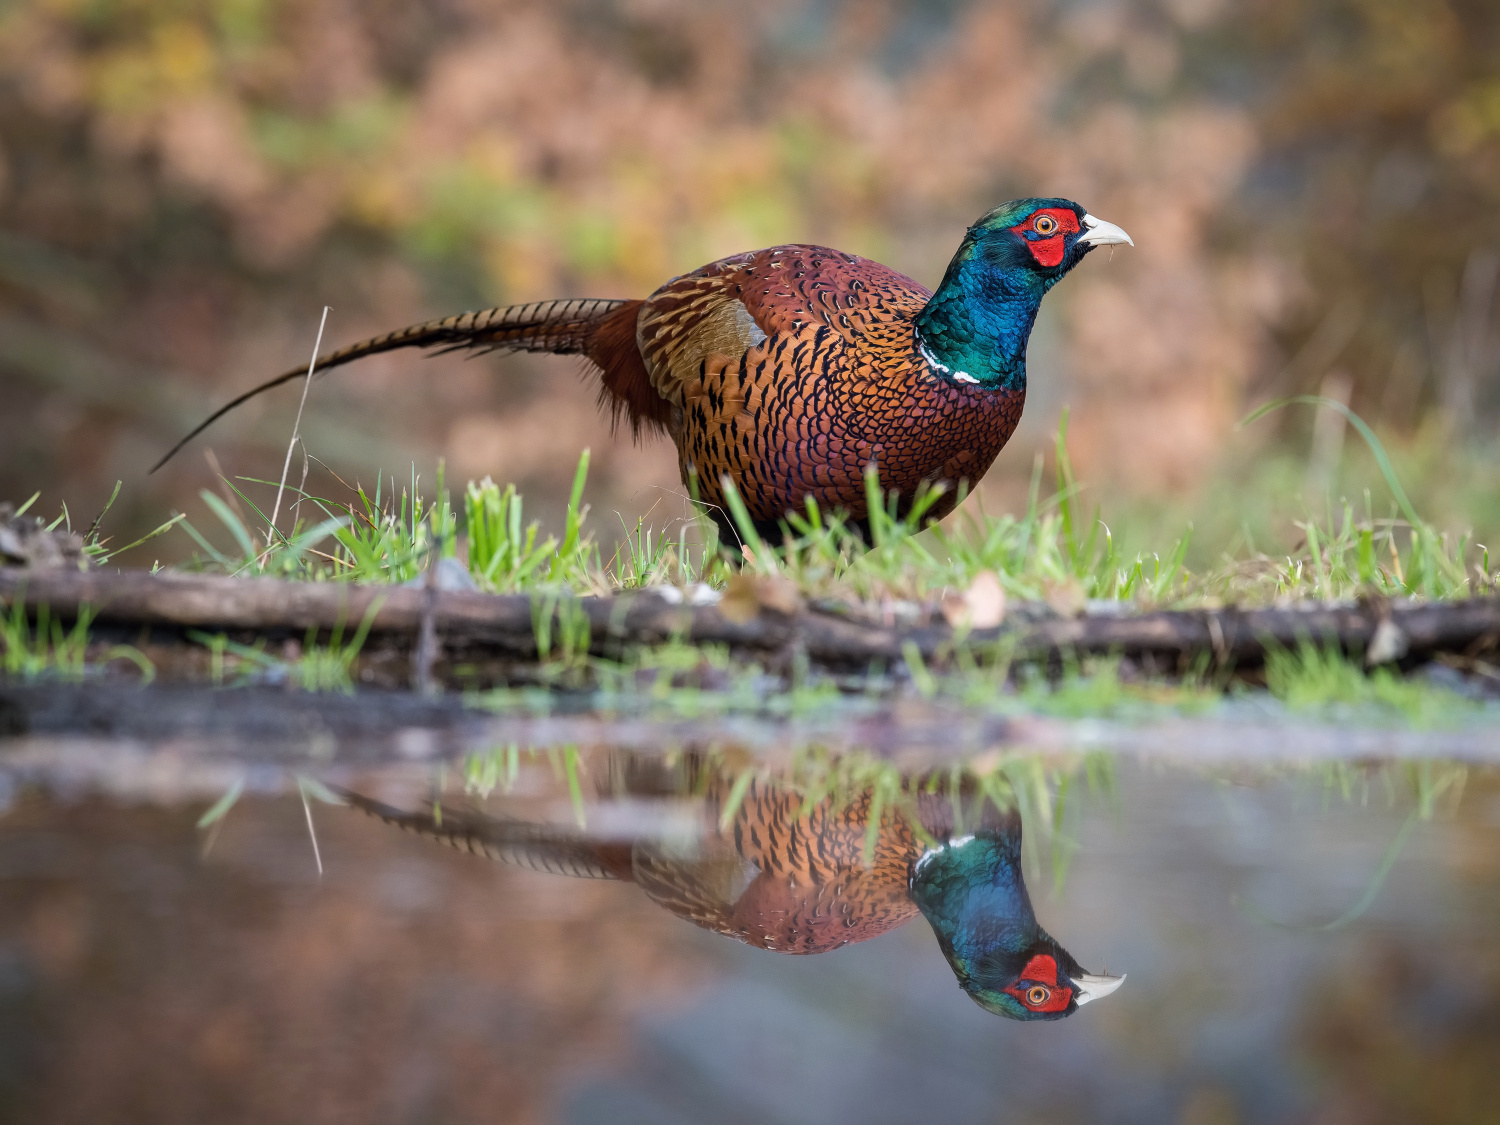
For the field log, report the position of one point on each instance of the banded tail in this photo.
(539, 847)
(601, 330)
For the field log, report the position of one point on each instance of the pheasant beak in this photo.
(1089, 986)
(1099, 233)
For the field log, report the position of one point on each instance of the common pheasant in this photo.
(793, 881)
(789, 371)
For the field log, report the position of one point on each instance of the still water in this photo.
(586, 933)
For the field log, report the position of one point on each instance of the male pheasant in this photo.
(792, 882)
(790, 371)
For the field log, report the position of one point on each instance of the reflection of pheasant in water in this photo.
(800, 884)
(790, 370)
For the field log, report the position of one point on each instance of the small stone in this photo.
(451, 575)
(26, 542)
(1389, 643)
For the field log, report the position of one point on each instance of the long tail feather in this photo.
(540, 847)
(562, 327)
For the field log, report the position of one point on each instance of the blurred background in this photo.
(1313, 186)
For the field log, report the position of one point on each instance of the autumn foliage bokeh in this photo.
(1313, 187)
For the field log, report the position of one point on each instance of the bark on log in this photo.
(844, 637)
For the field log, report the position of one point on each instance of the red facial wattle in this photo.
(1048, 241)
(1037, 986)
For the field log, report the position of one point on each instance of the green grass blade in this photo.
(1387, 470)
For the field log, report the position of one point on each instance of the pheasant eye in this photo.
(1045, 225)
(1037, 994)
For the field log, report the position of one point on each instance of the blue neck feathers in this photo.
(978, 321)
(973, 894)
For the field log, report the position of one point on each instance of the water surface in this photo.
(1301, 940)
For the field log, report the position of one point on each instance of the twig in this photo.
(425, 652)
(311, 831)
(296, 433)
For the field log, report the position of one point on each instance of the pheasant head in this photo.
(975, 327)
(972, 892)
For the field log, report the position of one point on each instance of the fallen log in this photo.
(830, 635)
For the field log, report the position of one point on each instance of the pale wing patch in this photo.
(677, 333)
(701, 884)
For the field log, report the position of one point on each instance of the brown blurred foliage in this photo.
(1313, 185)
(411, 985)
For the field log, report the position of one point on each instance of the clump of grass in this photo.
(1052, 550)
(391, 536)
(557, 617)
(94, 548)
(504, 558)
(1036, 555)
(326, 667)
(384, 536)
(1311, 677)
(320, 667)
(48, 648)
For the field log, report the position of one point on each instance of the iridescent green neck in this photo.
(977, 323)
(972, 892)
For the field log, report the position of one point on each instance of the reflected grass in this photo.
(1427, 782)
(43, 647)
(319, 667)
(1054, 793)
(682, 682)
(1310, 678)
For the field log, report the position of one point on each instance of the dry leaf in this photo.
(1065, 597)
(748, 594)
(981, 606)
(779, 594)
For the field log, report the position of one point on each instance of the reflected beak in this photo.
(1099, 233)
(1089, 986)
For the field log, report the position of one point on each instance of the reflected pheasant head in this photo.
(770, 871)
(972, 892)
